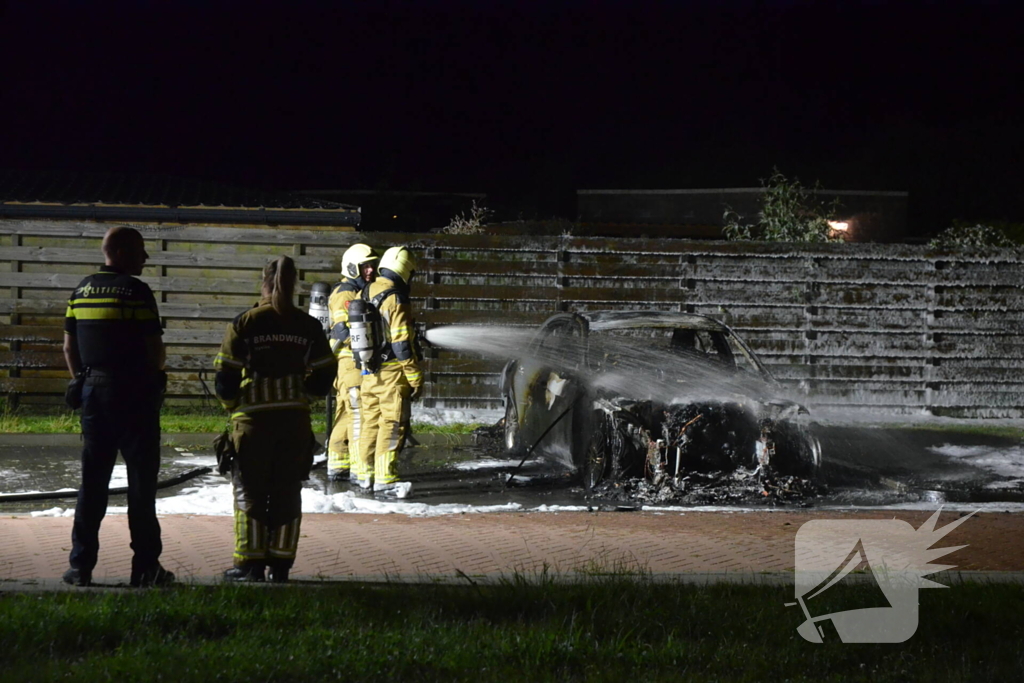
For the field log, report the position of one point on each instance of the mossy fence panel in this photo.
(896, 327)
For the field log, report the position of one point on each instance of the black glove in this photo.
(416, 393)
(224, 447)
(73, 394)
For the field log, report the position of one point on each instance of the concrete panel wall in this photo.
(881, 327)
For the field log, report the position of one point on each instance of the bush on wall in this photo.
(789, 213)
(962, 235)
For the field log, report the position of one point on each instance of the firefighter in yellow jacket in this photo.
(272, 358)
(386, 392)
(358, 268)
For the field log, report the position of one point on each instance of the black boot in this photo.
(248, 573)
(77, 577)
(278, 574)
(154, 576)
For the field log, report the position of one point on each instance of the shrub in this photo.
(789, 213)
(966, 236)
(473, 225)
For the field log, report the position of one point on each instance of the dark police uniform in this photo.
(267, 367)
(110, 314)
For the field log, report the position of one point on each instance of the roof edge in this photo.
(330, 217)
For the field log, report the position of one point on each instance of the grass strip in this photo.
(177, 420)
(596, 629)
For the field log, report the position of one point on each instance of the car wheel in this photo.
(513, 440)
(798, 451)
(814, 455)
(595, 457)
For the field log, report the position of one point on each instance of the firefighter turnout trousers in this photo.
(274, 457)
(385, 419)
(342, 451)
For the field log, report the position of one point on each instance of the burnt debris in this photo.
(698, 453)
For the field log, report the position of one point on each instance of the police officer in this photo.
(387, 392)
(113, 347)
(358, 267)
(273, 357)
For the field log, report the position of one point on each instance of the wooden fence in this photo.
(892, 327)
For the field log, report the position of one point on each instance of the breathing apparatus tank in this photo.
(362, 322)
(318, 295)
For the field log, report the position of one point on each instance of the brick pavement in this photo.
(394, 547)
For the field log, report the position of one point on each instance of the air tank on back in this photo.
(361, 318)
(318, 295)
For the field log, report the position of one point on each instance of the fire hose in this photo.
(47, 495)
(529, 450)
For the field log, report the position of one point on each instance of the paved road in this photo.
(729, 546)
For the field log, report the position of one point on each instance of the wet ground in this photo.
(864, 467)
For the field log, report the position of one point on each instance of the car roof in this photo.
(619, 320)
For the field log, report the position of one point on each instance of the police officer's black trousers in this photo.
(119, 414)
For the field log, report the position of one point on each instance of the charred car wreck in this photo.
(653, 400)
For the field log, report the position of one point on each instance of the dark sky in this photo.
(526, 101)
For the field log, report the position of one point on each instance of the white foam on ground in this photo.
(485, 464)
(197, 461)
(349, 502)
(1003, 461)
(216, 500)
(212, 495)
(55, 512)
(448, 416)
(945, 506)
(63, 490)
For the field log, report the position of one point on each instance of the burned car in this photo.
(617, 395)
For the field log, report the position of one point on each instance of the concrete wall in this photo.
(897, 328)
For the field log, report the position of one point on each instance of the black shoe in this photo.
(77, 577)
(247, 574)
(155, 576)
(278, 575)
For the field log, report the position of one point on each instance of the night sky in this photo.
(526, 101)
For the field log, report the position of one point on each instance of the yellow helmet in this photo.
(353, 259)
(400, 261)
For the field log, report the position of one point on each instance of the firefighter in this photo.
(394, 380)
(358, 267)
(273, 357)
(114, 350)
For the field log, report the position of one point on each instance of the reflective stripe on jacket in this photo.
(272, 359)
(399, 333)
